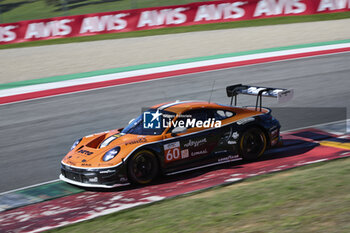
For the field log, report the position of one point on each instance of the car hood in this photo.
(90, 151)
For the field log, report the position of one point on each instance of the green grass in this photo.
(313, 198)
(203, 27)
(18, 10)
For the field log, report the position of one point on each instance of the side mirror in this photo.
(178, 130)
(131, 121)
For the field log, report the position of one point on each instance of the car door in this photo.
(225, 149)
(195, 146)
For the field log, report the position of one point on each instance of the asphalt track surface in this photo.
(36, 134)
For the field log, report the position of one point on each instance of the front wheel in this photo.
(143, 167)
(252, 144)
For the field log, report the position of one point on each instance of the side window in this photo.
(198, 114)
(223, 114)
(190, 117)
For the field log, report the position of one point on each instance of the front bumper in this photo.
(99, 178)
(87, 185)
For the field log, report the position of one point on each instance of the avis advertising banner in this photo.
(160, 17)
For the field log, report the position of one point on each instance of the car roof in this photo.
(181, 106)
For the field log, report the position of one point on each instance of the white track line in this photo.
(128, 74)
(30, 186)
(163, 78)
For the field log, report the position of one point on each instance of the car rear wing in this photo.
(282, 95)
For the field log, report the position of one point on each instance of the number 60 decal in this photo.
(172, 152)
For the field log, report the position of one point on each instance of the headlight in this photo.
(111, 154)
(75, 144)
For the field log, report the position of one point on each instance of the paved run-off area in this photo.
(38, 62)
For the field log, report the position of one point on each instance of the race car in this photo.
(175, 137)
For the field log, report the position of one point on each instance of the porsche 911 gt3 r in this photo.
(174, 137)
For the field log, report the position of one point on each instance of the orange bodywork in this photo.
(128, 143)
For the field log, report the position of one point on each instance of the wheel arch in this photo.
(264, 130)
(153, 149)
(259, 126)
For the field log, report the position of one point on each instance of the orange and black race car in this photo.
(175, 137)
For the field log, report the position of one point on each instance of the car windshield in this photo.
(150, 122)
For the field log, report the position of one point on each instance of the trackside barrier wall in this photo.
(162, 17)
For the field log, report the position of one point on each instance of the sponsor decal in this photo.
(107, 171)
(221, 152)
(48, 29)
(123, 179)
(93, 179)
(105, 164)
(231, 142)
(201, 152)
(85, 152)
(281, 94)
(332, 5)
(235, 135)
(71, 163)
(195, 143)
(184, 154)
(90, 174)
(171, 145)
(161, 17)
(86, 164)
(104, 23)
(232, 139)
(285, 93)
(172, 152)
(140, 140)
(228, 158)
(245, 121)
(281, 7)
(220, 11)
(7, 33)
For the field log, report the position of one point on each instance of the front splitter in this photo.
(90, 185)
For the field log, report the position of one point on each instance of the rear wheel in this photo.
(252, 144)
(143, 167)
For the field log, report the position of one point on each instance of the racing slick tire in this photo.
(143, 167)
(252, 144)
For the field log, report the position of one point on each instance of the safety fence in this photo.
(161, 17)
